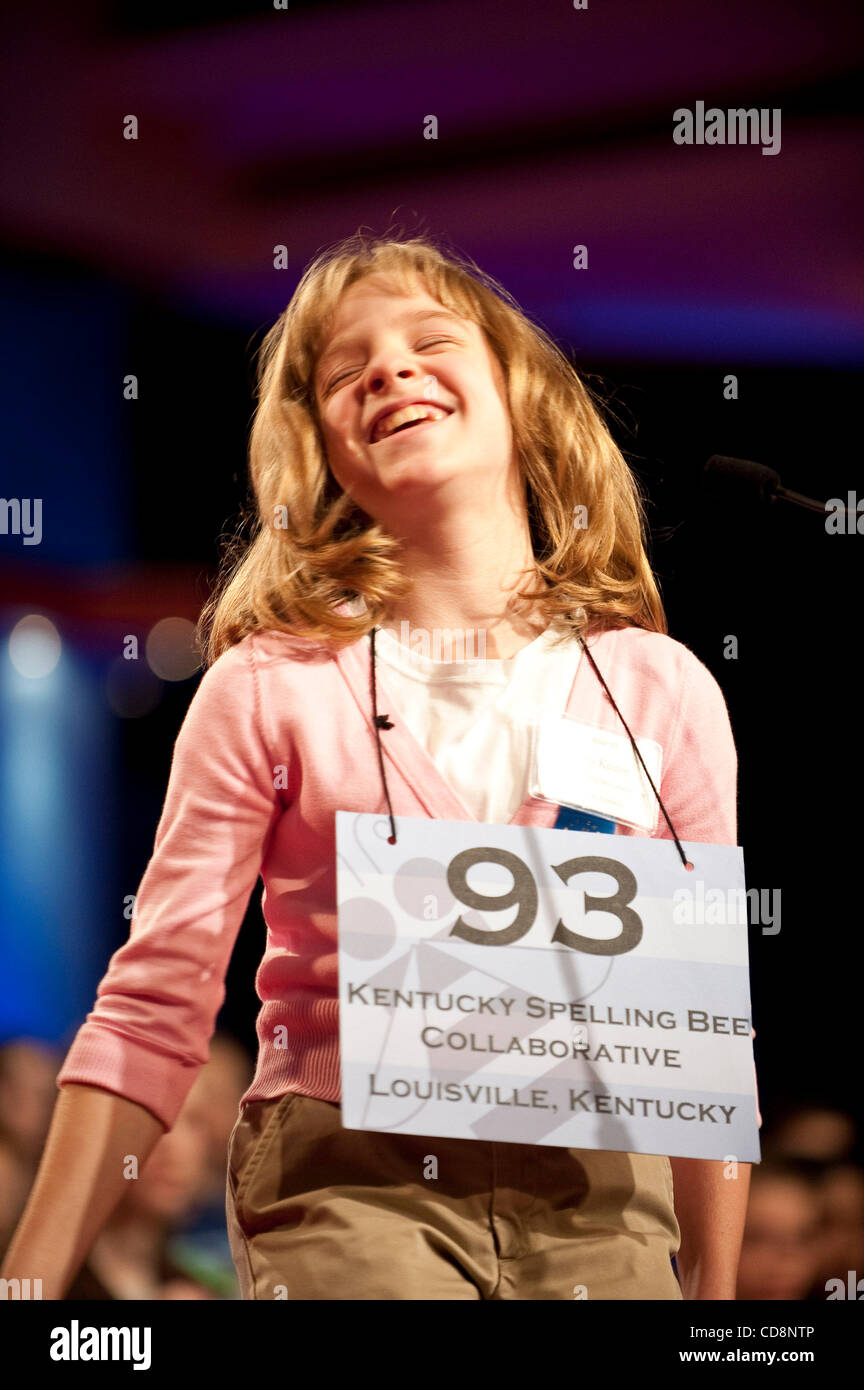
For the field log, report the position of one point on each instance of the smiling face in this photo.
(387, 350)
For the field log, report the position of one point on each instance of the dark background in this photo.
(261, 127)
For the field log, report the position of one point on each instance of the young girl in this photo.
(426, 463)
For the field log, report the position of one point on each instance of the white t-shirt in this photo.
(472, 716)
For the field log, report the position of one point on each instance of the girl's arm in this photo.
(134, 1059)
(711, 1205)
(81, 1178)
(148, 1034)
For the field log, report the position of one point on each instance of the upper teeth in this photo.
(388, 423)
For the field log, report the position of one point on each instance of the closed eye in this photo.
(427, 342)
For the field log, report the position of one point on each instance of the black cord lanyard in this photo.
(684, 860)
(381, 721)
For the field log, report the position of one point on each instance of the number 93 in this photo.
(524, 893)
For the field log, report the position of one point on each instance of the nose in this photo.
(388, 367)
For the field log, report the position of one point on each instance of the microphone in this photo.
(761, 482)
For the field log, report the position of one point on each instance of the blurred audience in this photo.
(780, 1253)
(167, 1237)
(28, 1071)
(805, 1220)
(840, 1191)
(201, 1240)
(14, 1186)
(813, 1134)
(216, 1094)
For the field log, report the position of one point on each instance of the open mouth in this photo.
(411, 425)
(406, 418)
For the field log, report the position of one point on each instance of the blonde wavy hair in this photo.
(312, 547)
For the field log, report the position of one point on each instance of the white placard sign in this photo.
(544, 986)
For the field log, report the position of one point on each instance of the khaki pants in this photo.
(316, 1211)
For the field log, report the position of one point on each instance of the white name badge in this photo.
(538, 986)
(596, 770)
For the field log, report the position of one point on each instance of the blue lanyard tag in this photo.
(568, 819)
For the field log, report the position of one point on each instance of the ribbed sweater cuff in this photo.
(100, 1056)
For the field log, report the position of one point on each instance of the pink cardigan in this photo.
(279, 702)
